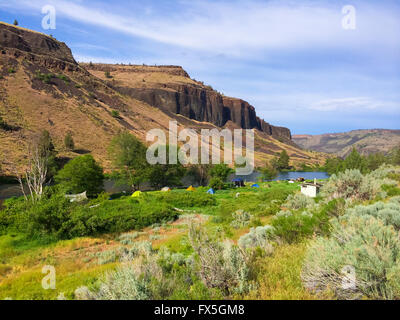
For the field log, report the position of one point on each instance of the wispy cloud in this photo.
(242, 27)
(355, 104)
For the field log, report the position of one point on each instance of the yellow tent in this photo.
(137, 194)
(191, 188)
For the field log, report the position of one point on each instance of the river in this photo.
(291, 175)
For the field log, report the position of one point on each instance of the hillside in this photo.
(43, 87)
(365, 141)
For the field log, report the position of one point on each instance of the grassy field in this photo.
(81, 261)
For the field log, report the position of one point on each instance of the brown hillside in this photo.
(43, 87)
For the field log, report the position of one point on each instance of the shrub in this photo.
(366, 245)
(352, 185)
(116, 216)
(294, 226)
(82, 174)
(389, 213)
(221, 265)
(241, 219)
(69, 142)
(150, 275)
(216, 183)
(258, 237)
(115, 114)
(298, 201)
(187, 199)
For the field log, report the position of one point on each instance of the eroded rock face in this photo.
(34, 42)
(202, 104)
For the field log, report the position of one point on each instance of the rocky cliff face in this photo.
(201, 103)
(36, 47)
(177, 93)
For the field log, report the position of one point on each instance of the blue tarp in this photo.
(255, 186)
(211, 191)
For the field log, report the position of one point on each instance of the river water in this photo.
(255, 176)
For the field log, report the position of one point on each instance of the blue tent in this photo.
(211, 191)
(255, 186)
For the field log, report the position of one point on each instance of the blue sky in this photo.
(292, 60)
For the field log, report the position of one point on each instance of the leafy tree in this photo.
(200, 172)
(270, 171)
(69, 142)
(221, 171)
(283, 161)
(216, 183)
(82, 174)
(374, 161)
(396, 156)
(355, 161)
(45, 148)
(15, 22)
(334, 165)
(128, 155)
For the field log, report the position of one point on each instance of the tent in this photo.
(166, 189)
(137, 194)
(190, 189)
(211, 191)
(76, 197)
(255, 186)
(238, 182)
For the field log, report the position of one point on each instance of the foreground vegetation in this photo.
(249, 243)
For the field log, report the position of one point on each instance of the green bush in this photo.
(365, 245)
(216, 183)
(54, 215)
(116, 216)
(82, 174)
(352, 185)
(298, 201)
(389, 213)
(258, 237)
(294, 226)
(186, 199)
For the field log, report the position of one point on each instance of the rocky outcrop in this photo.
(203, 104)
(36, 47)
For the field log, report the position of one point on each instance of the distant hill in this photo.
(365, 141)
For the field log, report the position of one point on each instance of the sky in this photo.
(314, 66)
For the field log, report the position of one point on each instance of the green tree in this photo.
(334, 165)
(283, 161)
(355, 161)
(374, 161)
(82, 174)
(15, 22)
(69, 142)
(128, 156)
(221, 171)
(216, 183)
(200, 173)
(396, 156)
(161, 175)
(270, 171)
(46, 149)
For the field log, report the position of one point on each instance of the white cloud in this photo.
(242, 28)
(354, 104)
